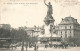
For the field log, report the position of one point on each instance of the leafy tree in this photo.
(4, 33)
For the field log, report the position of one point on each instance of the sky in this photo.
(32, 12)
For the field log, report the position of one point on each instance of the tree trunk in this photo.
(22, 49)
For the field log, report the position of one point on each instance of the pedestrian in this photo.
(37, 47)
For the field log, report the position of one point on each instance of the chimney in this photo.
(76, 20)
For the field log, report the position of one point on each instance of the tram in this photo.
(5, 42)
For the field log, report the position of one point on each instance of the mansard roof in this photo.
(69, 20)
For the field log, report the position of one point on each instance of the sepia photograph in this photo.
(39, 25)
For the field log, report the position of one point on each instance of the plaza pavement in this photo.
(43, 49)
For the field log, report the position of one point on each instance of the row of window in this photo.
(65, 27)
(66, 32)
(66, 35)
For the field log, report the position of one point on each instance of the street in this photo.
(48, 49)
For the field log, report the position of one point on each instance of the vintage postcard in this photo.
(39, 25)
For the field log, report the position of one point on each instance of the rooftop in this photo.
(69, 20)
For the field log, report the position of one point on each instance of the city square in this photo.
(64, 36)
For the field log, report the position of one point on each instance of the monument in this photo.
(49, 37)
(49, 20)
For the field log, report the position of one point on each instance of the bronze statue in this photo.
(49, 18)
(49, 12)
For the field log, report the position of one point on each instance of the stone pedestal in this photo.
(47, 29)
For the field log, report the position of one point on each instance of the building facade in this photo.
(69, 27)
(35, 31)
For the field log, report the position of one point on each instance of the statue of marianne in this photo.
(49, 12)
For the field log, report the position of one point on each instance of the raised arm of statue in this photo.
(45, 3)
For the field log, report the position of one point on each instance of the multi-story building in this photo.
(69, 28)
(35, 31)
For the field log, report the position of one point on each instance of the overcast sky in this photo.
(31, 13)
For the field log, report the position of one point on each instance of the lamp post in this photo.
(22, 49)
(23, 38)
(32, 35)
(27, 38)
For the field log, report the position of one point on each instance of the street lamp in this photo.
(23, 38)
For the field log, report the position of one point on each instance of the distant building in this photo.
(35, 31)
(5, 30)
(5, 26)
